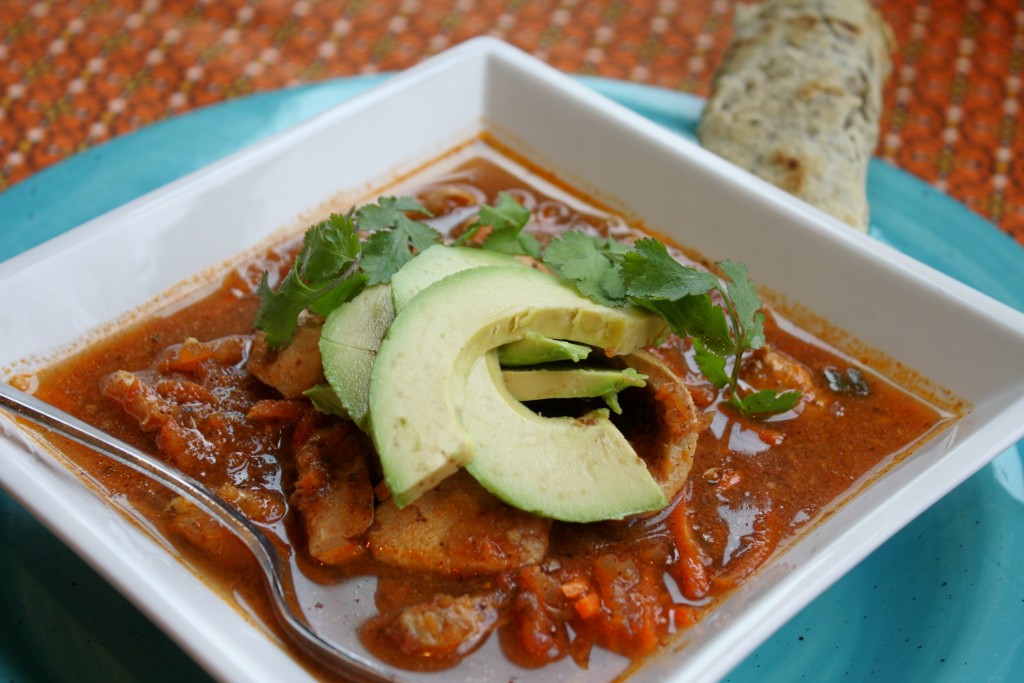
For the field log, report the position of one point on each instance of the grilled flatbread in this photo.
(798, 99)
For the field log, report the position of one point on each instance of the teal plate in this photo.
(943, 600)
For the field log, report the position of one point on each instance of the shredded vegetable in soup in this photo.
(534, 426)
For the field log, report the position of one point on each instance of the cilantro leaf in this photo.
(655, 280)
(387, 212)
(650, 272)
(279, 311)
(394, 236)
(765, 402)
(711, 365)
(333, 264)
(506, 219)
(328, 248)
(513, 243)
(507, 214)
(696, 316)
(593, 264)
(326, 259)
(385, 251)
(746, 303)
(343, 291)
(647, 275)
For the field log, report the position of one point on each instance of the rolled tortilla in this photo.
(798, 99)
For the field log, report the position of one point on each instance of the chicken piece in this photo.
(755, 548)
(634, 615)
(138, 399)
(538, 615)
(195, 399)
(209, 536)
(257, 503)
(668, 439)
(767, 368)
(190, 355)
(458, 528)
(293, 368)
(445, 626)
(333, 492)
(691, 561)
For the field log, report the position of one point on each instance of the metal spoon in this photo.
(324, 650)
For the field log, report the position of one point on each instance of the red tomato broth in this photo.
(612, 585)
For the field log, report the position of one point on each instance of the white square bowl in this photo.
(73, 287)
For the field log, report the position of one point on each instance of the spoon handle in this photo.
(54, 419)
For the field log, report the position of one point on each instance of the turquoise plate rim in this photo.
(943, 600)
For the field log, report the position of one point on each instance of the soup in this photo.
(459, 570)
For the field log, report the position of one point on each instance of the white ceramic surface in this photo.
(73, 286)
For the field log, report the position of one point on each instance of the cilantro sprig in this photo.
(322, 276)
(338, 257)
(393, 235)
(366, 246)
(647, 275)
(594, 264)
(506, 220)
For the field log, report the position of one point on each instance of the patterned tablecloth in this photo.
(74, 73)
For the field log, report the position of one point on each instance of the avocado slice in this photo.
(352, 332)
(349, 341)
(588, 382)
(571, 469)
(534, 349)
(437, 262)
(418, 381)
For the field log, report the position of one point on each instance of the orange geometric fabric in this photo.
(74, 73)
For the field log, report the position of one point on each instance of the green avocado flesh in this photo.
(535, 348)
(349, 341)
(571, 469)
(440, 261)
(547, 383)
(352, 332)
(418, 381)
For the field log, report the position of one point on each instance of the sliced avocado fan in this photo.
(352, 333)
(419, 379)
